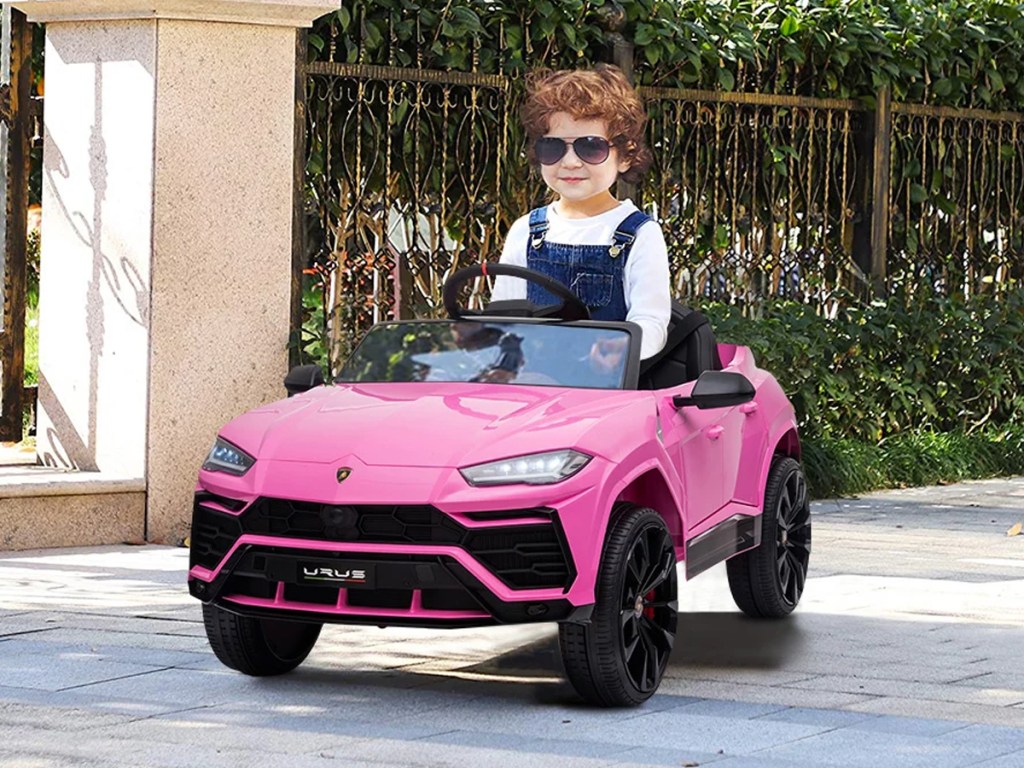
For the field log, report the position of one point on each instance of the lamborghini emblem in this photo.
(343, 473)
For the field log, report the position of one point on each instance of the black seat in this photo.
(690, 349)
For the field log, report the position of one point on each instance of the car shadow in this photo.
(534, 672)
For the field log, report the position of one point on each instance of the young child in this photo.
(585, 130)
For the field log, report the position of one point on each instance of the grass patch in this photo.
(844, 467)
(31, 346)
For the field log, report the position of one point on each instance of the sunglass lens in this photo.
(591, 149)
(549, 150)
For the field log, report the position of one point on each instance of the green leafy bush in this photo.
(949, 52)
(882, 369)
(891, 395)
(843, 467)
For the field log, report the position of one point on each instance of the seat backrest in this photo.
(690, 349)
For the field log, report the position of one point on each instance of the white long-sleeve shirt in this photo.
(646, 276)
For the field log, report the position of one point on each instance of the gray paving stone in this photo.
(729, 709)
(10, 759)
(78, 698)
(15, 715)
(911, 726)
(433, 753)
(1009, 760)
(760, 761)
(828, 718)
(122, 753)
(889, 686)
(675, 729)
(268, 734)
(121, 639)
(528, 743)
(99, 650)
(27, 670)
(655, 756)
(970, 713)
(548, 721)
(849, 747)
(792, 697)
(1009, 739)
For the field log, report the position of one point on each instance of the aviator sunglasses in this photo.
(592, 150)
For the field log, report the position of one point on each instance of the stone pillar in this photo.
(166, 261)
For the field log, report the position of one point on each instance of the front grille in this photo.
(213, 533)
(526, 556)
(332, 522)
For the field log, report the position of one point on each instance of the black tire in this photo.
(258, 647)
(767, 582)
(618, 659)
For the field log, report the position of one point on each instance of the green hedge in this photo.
(843, 467)
(888, 395)
(949, 52)
(875, 371)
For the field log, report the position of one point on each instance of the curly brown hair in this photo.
(601, 93)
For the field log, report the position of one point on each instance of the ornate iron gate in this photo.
(15, 155)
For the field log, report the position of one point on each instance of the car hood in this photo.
(423, 424)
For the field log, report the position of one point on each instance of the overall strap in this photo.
(625, 234)
(538, 226)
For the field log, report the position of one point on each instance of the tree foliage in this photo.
(951, 52)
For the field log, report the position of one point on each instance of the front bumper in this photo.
(428, 568)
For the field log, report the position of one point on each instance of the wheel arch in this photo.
(788, 444)
(784, 440)
(650, 489)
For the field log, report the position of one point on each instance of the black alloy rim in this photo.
(648, 608)
(793, 537)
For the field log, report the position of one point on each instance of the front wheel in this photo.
(619, 658)
(767, 581)
(258, 647)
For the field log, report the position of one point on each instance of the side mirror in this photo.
(717, 389)
(303, 378)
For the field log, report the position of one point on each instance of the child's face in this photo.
(579, 185)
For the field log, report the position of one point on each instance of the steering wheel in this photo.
(570, 308)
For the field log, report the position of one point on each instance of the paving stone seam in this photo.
(113, 679)
(991, 758)
(9, 635)
(969, 677)
(158, 715)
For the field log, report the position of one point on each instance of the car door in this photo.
(704, 446)
(709, 457)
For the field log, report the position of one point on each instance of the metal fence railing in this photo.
(411, 173)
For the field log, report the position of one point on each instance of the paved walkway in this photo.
(907, 651)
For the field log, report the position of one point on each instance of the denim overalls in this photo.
(595, 273)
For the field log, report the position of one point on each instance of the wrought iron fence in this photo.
(412, 173)
(956, 200)
(406, 172)
(757, 195)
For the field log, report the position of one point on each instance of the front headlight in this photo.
(224, 457)
(535, 469)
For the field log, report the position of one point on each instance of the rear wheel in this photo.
(619, 658)
(258, 647)
(767, 582)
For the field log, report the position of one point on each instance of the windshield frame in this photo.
(631, 372)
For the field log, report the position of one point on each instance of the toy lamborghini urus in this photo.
(516, 464)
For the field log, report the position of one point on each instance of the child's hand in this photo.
(606, 354)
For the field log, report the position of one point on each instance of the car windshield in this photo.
(539, 354)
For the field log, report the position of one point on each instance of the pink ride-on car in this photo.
(515, 465)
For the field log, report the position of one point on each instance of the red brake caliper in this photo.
(649, 610)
